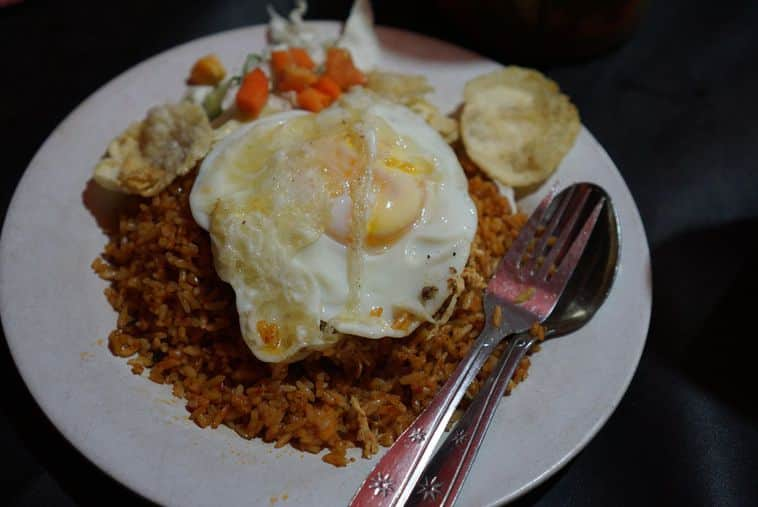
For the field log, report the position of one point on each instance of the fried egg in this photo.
(349, 221)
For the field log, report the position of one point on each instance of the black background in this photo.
(675, 107)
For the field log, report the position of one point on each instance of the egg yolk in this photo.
(395, 200)
(398, 202)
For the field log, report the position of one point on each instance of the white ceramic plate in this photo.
(56, 319)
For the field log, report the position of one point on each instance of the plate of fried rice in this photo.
(131, 343)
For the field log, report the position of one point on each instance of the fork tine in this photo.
(566, 231)
(517, 249)
(555, 219)
(569, 262)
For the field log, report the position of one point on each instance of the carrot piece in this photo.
(313, 100)
(253, 93)
(207, 70)
(327, 85)
(280, 60)
(301, 58)
(340, 68)
(294, 78)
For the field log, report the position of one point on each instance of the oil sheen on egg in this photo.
(349, 221)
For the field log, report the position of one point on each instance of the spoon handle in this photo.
(443, 478)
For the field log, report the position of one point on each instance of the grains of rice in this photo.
(177, 320)
(497, 316)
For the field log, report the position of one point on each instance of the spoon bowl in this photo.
(593, 277)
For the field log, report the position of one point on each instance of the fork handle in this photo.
(391, 481)
(443, 479)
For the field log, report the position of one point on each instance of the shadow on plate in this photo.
(106, 205)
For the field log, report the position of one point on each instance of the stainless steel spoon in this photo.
(525, 288)
(587, 289)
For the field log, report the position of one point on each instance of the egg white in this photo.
(301, 278)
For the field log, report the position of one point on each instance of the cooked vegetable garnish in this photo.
(208, 70)
(292, 70)
(279, 60)
(253, 93)
(327, 85)
(294, 78)
(301, 58)
(251, 61)
(313, 100)
(340, 68)
(213, 102)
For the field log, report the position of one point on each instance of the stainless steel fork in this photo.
(524, 290)
(445, 475)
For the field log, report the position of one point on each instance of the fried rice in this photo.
(177, 324)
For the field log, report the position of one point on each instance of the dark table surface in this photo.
(675, 107)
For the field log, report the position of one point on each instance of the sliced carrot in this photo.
(208, 70)
(280, 60)
(340, 68)
(313, 100)
(294, 78)
(301, 58)
(253, 93)
(327, 85)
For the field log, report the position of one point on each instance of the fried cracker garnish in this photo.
(148, 155)
(517, 125)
